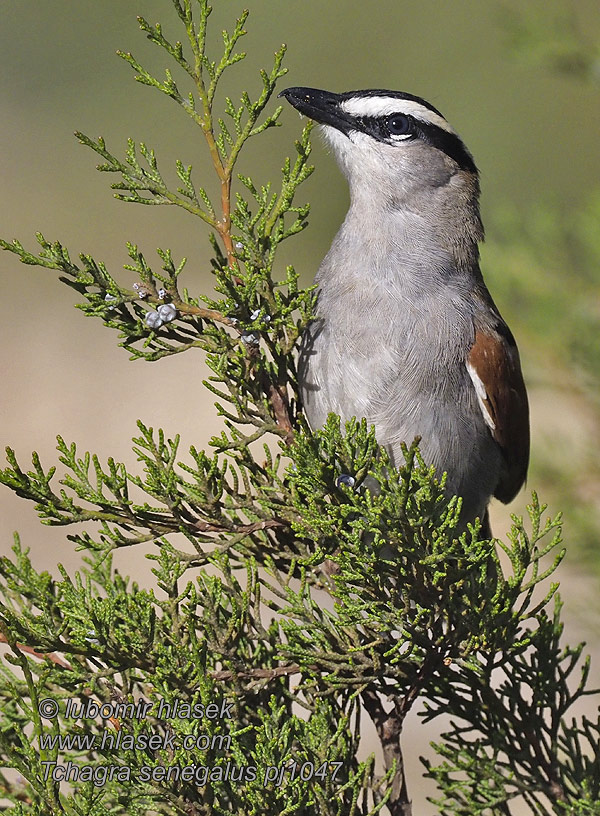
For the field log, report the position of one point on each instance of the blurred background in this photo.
(521, 84)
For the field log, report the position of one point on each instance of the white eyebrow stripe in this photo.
(385, 105)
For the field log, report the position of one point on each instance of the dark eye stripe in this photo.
(449, 143)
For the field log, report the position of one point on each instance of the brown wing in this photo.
(495, 369)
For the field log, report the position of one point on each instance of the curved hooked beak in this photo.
(322, 106)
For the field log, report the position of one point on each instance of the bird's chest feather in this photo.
(399, 362)
(379, 342)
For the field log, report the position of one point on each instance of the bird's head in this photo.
(391, 142)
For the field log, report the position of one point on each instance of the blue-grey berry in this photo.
(153, 320)
(167, 312)
(345, 479)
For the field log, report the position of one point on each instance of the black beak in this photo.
(322, 106)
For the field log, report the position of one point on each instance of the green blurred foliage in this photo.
(544, 260)
(546, 265)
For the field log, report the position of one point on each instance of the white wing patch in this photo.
(385, 105)
(481, 396)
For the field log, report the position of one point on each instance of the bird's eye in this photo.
(398, 124)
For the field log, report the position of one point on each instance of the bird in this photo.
(405, 332)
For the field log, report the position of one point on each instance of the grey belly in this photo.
(403, 399)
